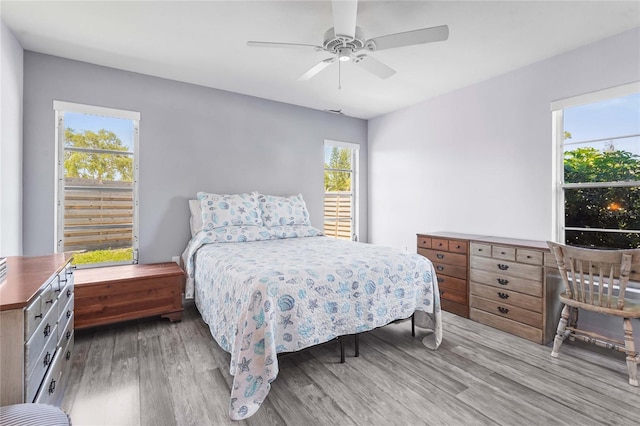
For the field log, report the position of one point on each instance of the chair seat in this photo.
(631, 307)
(33, 415)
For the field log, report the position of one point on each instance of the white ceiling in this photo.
(204, 42)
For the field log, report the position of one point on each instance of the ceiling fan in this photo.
(345, 40)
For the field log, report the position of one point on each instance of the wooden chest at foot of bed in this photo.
(119, 293)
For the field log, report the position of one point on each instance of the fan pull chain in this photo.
(339, 72)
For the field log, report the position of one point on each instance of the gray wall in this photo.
(479, 160)
(11, 74)
(191, 139)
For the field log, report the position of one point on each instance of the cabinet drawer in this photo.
(505, 324)
(513, 298)
(65, 293)
(32, 317)
(45, 332)
(453, 271)
(481, 249)
(65, 314)
(521, 285)
(531, 257)
(452, 283)
(439, 244)
(37, 366)
(456, 308)
(550, 260)
(504, 253)
(454, 296)
(424, 242)
(507, 269)
(458, 246)
(506, 310)
(444, 257)
(50, 390)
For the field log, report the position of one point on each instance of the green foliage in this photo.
(97, 166)
(606, 208)
(102, 256)
(337, 180)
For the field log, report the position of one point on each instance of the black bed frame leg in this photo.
(357, 342)
(341, 349)
(413, 326)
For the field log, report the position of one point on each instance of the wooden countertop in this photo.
(25, 276)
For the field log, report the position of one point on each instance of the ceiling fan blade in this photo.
(344, 17)
(374, 66)
(317, 68)
(286, 45)
(424, 35)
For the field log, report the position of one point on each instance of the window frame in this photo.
(60, 107)
(559, 185)
(355, 186)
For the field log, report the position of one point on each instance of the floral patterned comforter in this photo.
(260, 298)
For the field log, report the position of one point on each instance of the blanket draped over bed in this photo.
(261, 298)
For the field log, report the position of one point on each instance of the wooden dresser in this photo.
(514, 286)
(36, 329)
(506, 283)
(449, 253)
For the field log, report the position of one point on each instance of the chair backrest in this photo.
(590, 275)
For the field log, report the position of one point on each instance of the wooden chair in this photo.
(596, 280)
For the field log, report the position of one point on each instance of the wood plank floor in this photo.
(153, 372)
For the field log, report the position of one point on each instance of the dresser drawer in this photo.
(513, 298)
(424, 242)
(506, 310)
(444, 257)
(50, 390)
(452, 283)
(521, 285)
(45, 333)
(439, 244)
(65, 314)
(453, 271)
(454, 296)
(507, 269)
(37, 367)
(506, 324)
(456, 308)
(503, 253)
(481, 249)
(458, 246)
(531, 257)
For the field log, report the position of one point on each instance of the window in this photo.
(598, 168)
(341, 190)
(96, 184)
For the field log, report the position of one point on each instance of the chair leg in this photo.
(357, 344)
(341, 349)
(573, 322)
(562, 326)
(629, 346)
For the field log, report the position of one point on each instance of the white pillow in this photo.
(220, 210)
(195, 221)
(281, 211)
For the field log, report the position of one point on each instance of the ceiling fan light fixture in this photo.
(344, 54)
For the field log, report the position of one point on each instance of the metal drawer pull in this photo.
(503, 252)
(68, 314)
(503, 310)
(440, 268)
(69, 293)
(502, 281)
(67, 356)
(440, 256)
(503, 295)
(49, 301)
(68, 335)
(52, 386)
(47, 359)
(479, 249)
(38, 316)
(57, 290)
(503, 267)
(440, 280)
(47, 330)
(458, 247)
(439, 244)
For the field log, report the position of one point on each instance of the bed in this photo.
(265, 290)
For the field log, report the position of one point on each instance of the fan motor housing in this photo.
(332, 42)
